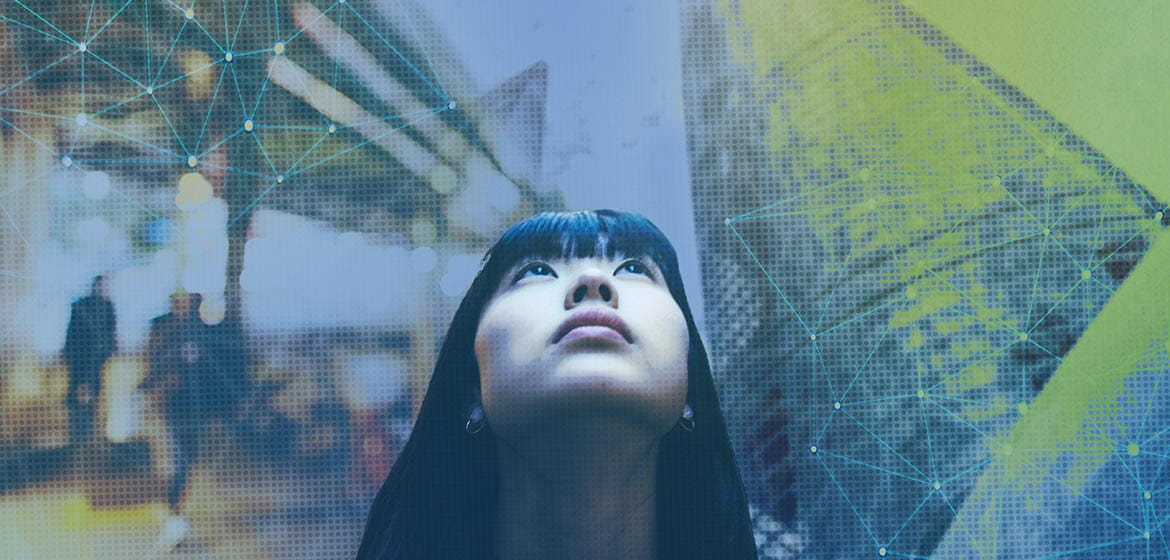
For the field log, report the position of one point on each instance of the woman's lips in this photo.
(597, 322)
(593, 332)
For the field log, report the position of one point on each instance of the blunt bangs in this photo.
(584, 234)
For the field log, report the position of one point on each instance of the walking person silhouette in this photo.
(89, 343)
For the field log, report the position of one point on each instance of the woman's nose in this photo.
(591, 284)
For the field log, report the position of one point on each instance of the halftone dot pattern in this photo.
(292, 145)
(899, 248)
(174, 89)
(901, 251)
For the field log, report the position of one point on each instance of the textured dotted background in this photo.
(898, 251)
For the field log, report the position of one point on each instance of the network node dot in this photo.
(332, 129)
(1023, 336)
(837, 405)
(192, 161)
(1047, 231)
(278, 48)
(813, 449)
(921, 394)
(66, 161)
(249, 125)
(863, 174)
(341, 1)
(82, 119)
(190, 13)
(937, 485)
(1086, 274)
(812, 336)
(279, 179)
(451, 105)
(1146, 534)
(1146, 494)
(1022, 408)
(1133, 449)
(149, 90)
(727, 221)
(1158, 216)
(882, 551)
(82, 47)
(997, 181)
(228, 56)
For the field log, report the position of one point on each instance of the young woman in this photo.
(571, 413)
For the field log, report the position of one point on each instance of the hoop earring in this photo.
(475, 420)
(688, 418)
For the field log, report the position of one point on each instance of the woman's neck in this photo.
(578, 490)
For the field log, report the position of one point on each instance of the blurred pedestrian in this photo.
(89, 343)
(179, 354)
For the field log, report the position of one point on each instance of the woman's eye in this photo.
(535, 269)
(635, 267)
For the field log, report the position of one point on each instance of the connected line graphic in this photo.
(939, 247)
(178, 88)
(887, 412)
(139, 139)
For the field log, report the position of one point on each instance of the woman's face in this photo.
(576, 338)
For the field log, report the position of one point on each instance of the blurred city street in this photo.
(237, 507)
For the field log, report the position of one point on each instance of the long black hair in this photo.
(441, 497)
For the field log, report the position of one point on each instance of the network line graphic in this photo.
(942, 247)
(178, 88)
(930, 427)
(142, 110)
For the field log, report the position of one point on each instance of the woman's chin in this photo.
(612, 379)
(590, 395)
(596, 389)
(596, 367)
